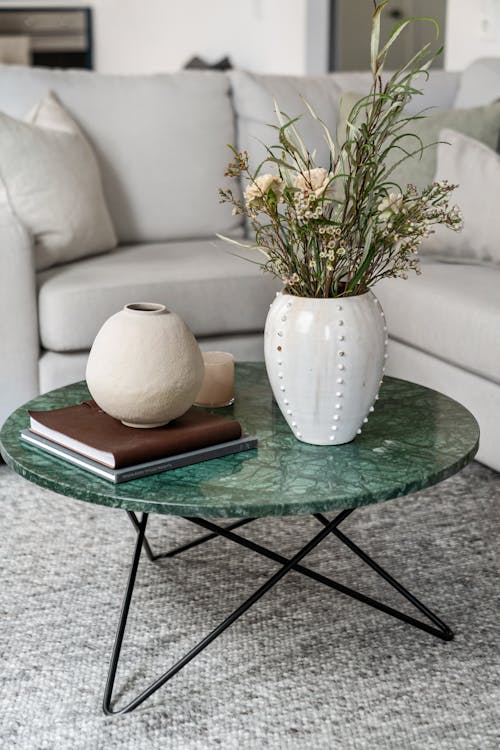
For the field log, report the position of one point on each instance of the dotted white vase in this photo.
(325, 360)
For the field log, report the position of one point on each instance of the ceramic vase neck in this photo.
(146, 308)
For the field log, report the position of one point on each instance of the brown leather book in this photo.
(86, 429)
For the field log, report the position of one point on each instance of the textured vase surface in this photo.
(325, 360)
(145, 366)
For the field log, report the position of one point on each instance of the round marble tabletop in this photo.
(415, 438)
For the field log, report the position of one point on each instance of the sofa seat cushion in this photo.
(215, 292)
(451, 311)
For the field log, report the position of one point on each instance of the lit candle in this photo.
(217, 388)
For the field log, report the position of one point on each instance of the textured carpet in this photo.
(306, 668)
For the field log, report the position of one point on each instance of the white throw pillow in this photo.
(50, 179)
(476, 169)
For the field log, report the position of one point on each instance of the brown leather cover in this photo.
(88, 424)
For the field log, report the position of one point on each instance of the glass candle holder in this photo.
(217, 388)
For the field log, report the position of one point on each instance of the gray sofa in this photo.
(161, 145)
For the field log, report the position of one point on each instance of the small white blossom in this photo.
(391, 204)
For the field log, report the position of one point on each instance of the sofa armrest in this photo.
(19, 343)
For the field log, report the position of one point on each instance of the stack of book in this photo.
(87, 437)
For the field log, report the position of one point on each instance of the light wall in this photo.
(149, 36)
(473, 31)
(271, 36)
(143, 36)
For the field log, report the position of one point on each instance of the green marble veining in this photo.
(415, 437)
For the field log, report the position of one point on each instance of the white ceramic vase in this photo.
(145, 367)
(325, 360)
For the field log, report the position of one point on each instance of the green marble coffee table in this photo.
(415, 438)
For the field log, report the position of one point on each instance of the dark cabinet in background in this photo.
(50, 37)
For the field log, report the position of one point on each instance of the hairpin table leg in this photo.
(215, 633)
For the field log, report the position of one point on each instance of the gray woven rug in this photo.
(306, 668)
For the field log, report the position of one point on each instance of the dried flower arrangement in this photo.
(334, 231)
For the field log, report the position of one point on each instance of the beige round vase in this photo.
(145, 367)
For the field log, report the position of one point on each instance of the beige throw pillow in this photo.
(481, 123)
(50, 179)
(476, 170)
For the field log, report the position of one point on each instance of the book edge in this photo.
(83, 449)
(138, 471)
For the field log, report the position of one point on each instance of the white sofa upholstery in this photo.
(212, 290)
(161, 145)
(445, 334)
(18, 315)
(160, 141)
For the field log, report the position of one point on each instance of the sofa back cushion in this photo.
(481, 123)
(479, 83)
(254, 94)
(160, 141)
(439, 89)
(475, 168)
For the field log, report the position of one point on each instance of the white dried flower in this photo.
(313, 182)
(391, 204)
(261, 186)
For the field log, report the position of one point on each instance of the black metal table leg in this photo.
(215, 633)
(442, 629)
(153, 557)
(122, 622)
(438, 628)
